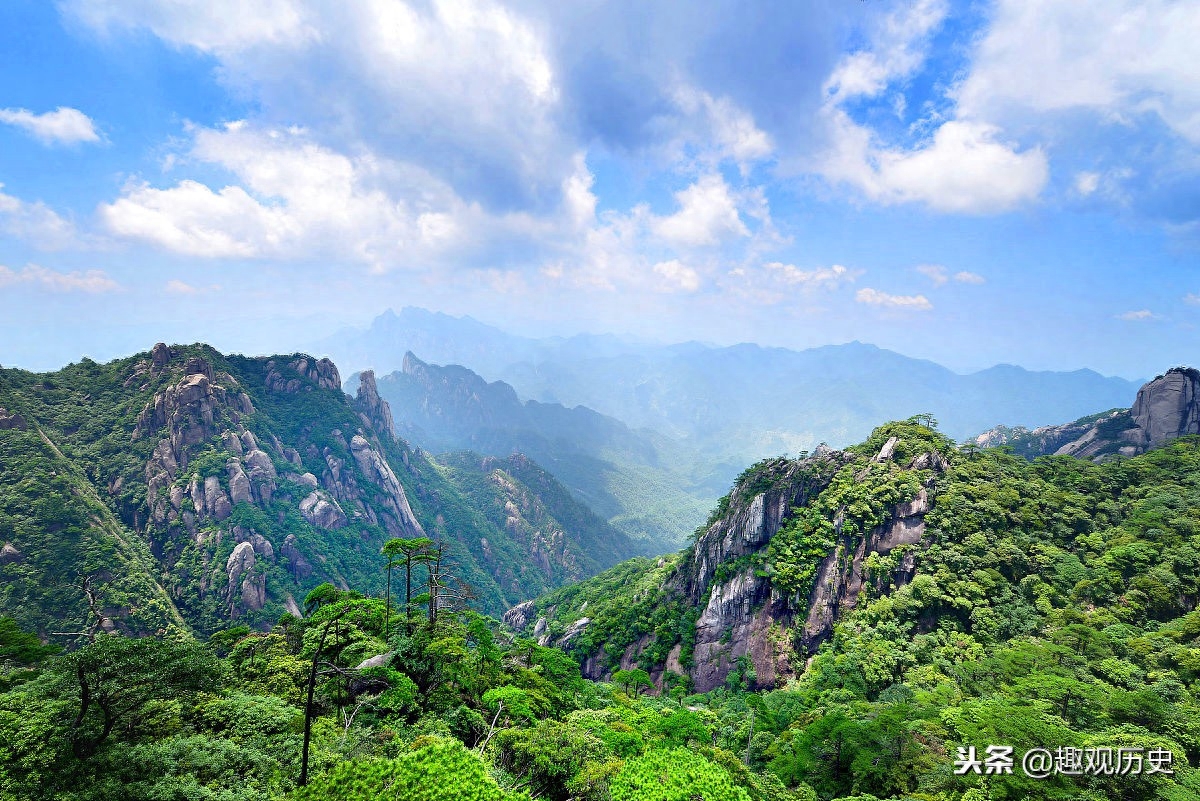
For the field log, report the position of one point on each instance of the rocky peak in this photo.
(1165, 409)
(411, 365)
(1169, 406)
(374, 410)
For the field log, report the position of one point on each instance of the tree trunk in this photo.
(308, 705)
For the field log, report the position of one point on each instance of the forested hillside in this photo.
(1001, 602)
(180, 490)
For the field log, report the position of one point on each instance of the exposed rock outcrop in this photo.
(375, 411)
(246, 587)
(299, 566)
(401, 522)
(1168, 407)
(742, 617)
(1165, 409)
(321, 372)
(10, 554)
(322, 511)
(11, 421)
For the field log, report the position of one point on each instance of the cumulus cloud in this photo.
(215, 26)
(677, 277)
(466, 84)
(295, 199)
(965, 167)
(708, 213)
(896, 52)
(1117, 59)
(1086, 182)
(816, 278)
(729, 130)
(873, 297)
(35, 223)
(92, 282)
(1138, 315)
(66, 126)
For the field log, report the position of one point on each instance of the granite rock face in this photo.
(742, 617)
(1165, 409)
(374, 410)
(1168, 407)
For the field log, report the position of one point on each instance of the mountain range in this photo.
(736, 404)
(650, 486)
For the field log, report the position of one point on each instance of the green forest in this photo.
(1053, 606)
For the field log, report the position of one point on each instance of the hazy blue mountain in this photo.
(643, 483)
(739, 403)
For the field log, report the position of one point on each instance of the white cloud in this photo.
(91, 282)
(677, 277)
(873, 297)
(939, 275)
(214, 26)
(1086, 182)
(465, 84)
(708, 214)
(35, 223)
(1116, 58)
(295, 199)
(731, 129)
(897, 50)
(934, 272)
(1192, 299)
(964, 169)
(817, 278)
(1137, 316)
(66, 126)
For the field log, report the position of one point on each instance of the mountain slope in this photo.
(186, 488)
(900, 540)
(639, 481)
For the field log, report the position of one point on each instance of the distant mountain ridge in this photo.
(740, 403)
(638, 480)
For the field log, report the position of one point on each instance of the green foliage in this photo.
(674, 775)
(439, 770)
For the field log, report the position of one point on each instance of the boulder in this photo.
(322, 511)
(239, 482)
(10, 554)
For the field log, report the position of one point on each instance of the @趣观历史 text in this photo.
(1040, 763)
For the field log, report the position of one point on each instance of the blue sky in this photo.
(978, 182)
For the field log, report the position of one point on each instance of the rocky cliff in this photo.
(186, 488)
(1165, 409)
(794, 545)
